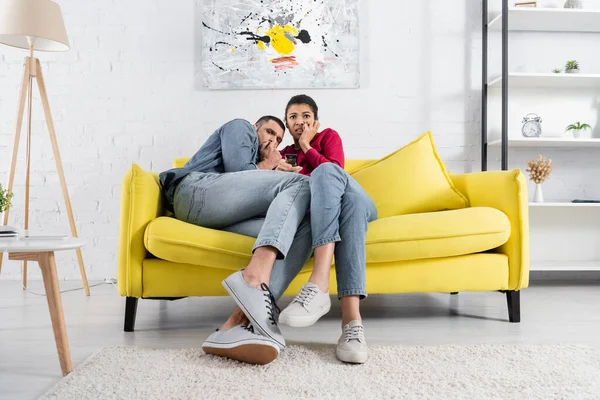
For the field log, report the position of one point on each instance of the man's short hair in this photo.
(266, 118)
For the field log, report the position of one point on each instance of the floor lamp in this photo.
(35, 25)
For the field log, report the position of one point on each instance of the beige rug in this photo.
(301, 372)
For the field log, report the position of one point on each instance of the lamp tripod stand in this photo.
(32, 70)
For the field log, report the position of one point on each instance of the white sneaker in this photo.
(242, 343)
(352, 346)
(306, 308)
(259, 305)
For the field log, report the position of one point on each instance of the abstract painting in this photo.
(256, 44)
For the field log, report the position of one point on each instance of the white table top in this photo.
(22, 245)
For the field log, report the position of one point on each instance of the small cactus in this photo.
(573, 4)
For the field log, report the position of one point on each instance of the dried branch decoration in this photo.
(539, 169)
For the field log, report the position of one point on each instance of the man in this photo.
(230, 184)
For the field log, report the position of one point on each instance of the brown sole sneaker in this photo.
(248, 353)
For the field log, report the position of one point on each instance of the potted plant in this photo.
(580, 131)
(5, 197)
(572, 67)
(557, 70)
(573, 4)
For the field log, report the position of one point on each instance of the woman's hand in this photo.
(310, 131)
(286, 167)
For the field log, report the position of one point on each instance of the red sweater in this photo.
(326, 147)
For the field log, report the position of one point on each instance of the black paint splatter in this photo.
(218, 66)
(255, 37)
(213, 29)
(228, 44)
(305, 15)
(217, 43)
(326, 46)
(266, 19)
(225, 69)
(303, 36)
(245, 18)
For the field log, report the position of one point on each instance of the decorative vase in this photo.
(538, 197)
(571, 71)
(573, 4)
(582, 133)
(586, 134)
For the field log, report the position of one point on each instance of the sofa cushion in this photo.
(398, 238)
(173, 240)
(411, 180)
(351, 166)
(436, 234)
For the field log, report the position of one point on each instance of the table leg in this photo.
(48, 267)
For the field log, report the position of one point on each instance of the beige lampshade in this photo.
(39, 19)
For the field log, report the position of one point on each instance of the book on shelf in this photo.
(526, 4)
(45, 237)
(8, 231)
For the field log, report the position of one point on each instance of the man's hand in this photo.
(310, 131)
(269, 155)
(286, 167)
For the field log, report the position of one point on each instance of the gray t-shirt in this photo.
(231, 148)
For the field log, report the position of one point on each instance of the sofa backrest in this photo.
(180, 162)
(351, 165)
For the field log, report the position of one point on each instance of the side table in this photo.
(42, 251)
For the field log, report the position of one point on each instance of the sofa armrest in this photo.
(141, 202)
(505, 191)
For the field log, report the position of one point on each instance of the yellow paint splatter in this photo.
(279, 41)
(261, 45)
(232, 49)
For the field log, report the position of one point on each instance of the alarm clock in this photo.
(532, 125)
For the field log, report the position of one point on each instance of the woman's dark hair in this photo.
(303, 99)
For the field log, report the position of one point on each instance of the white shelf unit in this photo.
(548, 81)
(549, 142)
(570, 266)
(549, 20)
(557, 214)
(563, 204)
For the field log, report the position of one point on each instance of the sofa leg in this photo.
(453, 292)
(513, 299)
(130, 310)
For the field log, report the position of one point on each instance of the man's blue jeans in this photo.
(340, 212)
(216, 201)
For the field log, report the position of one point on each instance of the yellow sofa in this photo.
(484, 247)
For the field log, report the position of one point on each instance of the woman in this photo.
(340, 212)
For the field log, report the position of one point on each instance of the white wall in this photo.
(128, 91)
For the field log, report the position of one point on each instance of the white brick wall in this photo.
(129, 91)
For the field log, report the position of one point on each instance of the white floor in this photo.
(551, 313)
